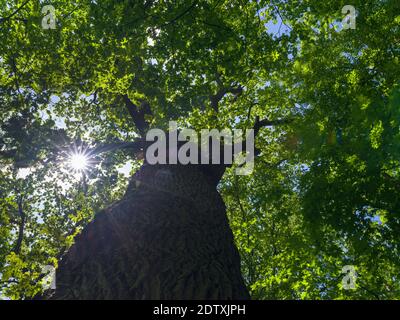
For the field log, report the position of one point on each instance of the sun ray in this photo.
(78, 161)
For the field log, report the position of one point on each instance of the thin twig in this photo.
(181, 14)
(15, 12)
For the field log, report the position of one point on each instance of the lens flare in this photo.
(78, 161)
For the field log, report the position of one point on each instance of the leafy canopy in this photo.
(324, 191)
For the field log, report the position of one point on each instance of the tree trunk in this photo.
(168, 238)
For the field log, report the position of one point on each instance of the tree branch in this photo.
(181, 14)
(269, 123)
(15, 12)
(223, 90)
(138, 114)
(21, 228)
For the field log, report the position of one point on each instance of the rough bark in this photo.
(168, 238)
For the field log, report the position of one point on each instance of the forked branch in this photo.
(222, 91)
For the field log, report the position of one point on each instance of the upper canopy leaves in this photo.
(324, 192)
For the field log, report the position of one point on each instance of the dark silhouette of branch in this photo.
(282, 18)
(15, 12)
(138, 114)
(215, 99)
(21, 227)
(373, 293)
(222, 91)
(268, 123)
(181, 14)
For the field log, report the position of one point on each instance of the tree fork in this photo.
(168, 238)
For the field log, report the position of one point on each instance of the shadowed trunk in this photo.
(168, 238)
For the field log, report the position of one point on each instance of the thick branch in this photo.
(21, 227)
(138, 114)
(268, 123)
(223, 90)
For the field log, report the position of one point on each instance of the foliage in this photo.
(324, 191)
